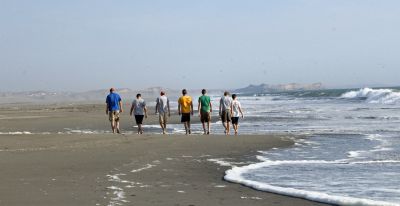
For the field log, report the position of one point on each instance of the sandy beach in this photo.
(46, 168)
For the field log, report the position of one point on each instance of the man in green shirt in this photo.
(205, 109)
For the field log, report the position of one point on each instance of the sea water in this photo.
(350, 153)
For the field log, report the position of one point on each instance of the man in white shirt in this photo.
(236, 112)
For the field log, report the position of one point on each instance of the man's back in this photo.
(112, 101)
(162, 102)
(205, 103)
(139, 104)
(225, 103)
(185, 102)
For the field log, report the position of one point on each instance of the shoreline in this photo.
(106, 169)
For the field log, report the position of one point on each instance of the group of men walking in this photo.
(229, 111)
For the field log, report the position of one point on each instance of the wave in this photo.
(235, 174)
(377, 96)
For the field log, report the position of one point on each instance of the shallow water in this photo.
(351, 155)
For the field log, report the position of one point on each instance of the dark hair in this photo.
(138, 95)
(162, 93)
(226, 93)
(184, 91)
(112, 89)
(233, 96)
(203, 91)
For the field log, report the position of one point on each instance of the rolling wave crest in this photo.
(377, 96)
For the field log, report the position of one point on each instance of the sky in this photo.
(80, 45)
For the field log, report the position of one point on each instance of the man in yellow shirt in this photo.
(185, 107)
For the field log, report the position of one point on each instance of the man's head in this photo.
(162, 93)
(138, 96)
(226, 93)
(203, 91)
(112, 90)
(184, 92)
(233, 96)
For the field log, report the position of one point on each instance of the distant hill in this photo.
(264, 88)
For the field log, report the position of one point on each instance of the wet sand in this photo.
(106, 169)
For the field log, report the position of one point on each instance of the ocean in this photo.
(350, 153)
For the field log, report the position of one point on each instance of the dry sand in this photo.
(106, 169)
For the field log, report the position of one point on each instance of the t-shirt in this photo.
(235, 108)
(112, 101)
(225, 103)
(139, 105)
(162, 102)
(205, 103)
(185, 102)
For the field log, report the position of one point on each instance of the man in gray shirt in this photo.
(225, 111)
(140, 110)
(162, 107)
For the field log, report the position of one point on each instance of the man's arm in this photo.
(106, 108)
(191, 106)
(145, 111)
(157, 105)
(210, 107)
(120, 106)
(220, 106)
(198, 108)
(231, 109)
(169, 110)
(240, 110)
(179, 107)
(132, 108)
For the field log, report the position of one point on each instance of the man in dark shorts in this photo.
(185, 108)
(236, 112)
(205, 109)
(140, 110)
(225, 111)
(113, 109)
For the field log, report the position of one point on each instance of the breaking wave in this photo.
(377, 96)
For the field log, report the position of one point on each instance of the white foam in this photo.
(15, 133)
(221, 162)
(119, 196)
(235, 175)
(355, 154)
(377, 96)
(252, 198)
(148, 166)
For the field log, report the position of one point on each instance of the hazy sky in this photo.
(83, 45)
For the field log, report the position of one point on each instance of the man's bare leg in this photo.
(186, 127)
(117, 126)
(113, 126)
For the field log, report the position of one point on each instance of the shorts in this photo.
(185, 117)
(163, 117)
(205, 117)
(226, 116)
(235, 120)
(113, 115)
(139, 119)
